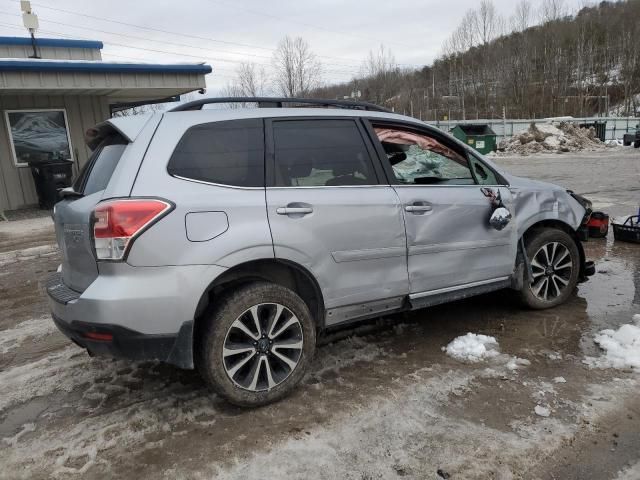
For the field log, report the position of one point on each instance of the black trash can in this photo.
(50, 177)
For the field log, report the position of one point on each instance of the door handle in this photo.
(294, 210)
(417, 208)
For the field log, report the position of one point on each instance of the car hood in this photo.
(528, 183)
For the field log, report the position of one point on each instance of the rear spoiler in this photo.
(129, 127)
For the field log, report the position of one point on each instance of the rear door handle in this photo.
(417, 208)
(294, 210)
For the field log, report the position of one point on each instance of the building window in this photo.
(38, 136)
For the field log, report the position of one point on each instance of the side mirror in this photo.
(500, 218)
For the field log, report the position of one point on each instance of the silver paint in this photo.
(368, 247)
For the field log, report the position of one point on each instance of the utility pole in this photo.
(464, 116)
(504, 122)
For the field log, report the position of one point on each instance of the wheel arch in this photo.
(282, 272)
(558, 225)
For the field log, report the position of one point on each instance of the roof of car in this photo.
(220, 114)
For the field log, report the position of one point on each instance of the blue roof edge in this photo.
(52, 42)
(28, 65)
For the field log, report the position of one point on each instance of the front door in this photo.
(329, 212)
(450, 243)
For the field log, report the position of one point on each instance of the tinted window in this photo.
(321, 153)
(229, 153)
(417, 158)
(97, 172)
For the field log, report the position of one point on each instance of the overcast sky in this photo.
(223, 33)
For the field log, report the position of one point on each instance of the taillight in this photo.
(116, 223)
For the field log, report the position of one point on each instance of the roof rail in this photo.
(277, 102)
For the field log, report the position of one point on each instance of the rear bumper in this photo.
(119, 342)
(138, 313)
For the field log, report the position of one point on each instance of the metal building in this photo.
(47, 103)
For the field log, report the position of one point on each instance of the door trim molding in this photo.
(368, 254)
(450, 247)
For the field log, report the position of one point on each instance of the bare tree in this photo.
(522, 17)
(489, 22)
(552, 10)
(381, 70)
(252, 80)
(379, 62)
(297, 70)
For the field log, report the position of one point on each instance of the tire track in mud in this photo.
(96, 410)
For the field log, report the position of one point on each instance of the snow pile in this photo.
(472, 348)
(621, 347)
(547, 138)
(542, 411)
(630, 473)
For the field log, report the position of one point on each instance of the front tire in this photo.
(256, 344)
(555, 264)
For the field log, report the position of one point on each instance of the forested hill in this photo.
(578, 64)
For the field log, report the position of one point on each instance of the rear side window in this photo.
(228, 153)
(321, 153)
(97, 172)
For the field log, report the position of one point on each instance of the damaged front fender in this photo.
(536, 201)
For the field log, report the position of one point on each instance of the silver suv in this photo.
(227, 240)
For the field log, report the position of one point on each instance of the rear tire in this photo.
(555, 264)
(273, 332)
(636, 144)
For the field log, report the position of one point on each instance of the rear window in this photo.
(97, 172)
(228, 153)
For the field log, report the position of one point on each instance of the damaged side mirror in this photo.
(500, 218)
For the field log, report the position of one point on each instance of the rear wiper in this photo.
(69, 192)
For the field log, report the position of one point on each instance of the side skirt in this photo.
(445, 295)
(342, 316)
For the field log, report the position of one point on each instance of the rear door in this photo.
(329, 211)
(72, 215)
(450, 243)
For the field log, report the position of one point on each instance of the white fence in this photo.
(616, 126)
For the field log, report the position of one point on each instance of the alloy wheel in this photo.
(552, 266)
(262, 347)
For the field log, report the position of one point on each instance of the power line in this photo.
(334, 70)
(169, 32)
(341, 68)
(179, 54)
(306, 24)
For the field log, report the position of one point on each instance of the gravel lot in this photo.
(381, 402)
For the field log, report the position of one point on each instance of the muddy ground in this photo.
(381, 402)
